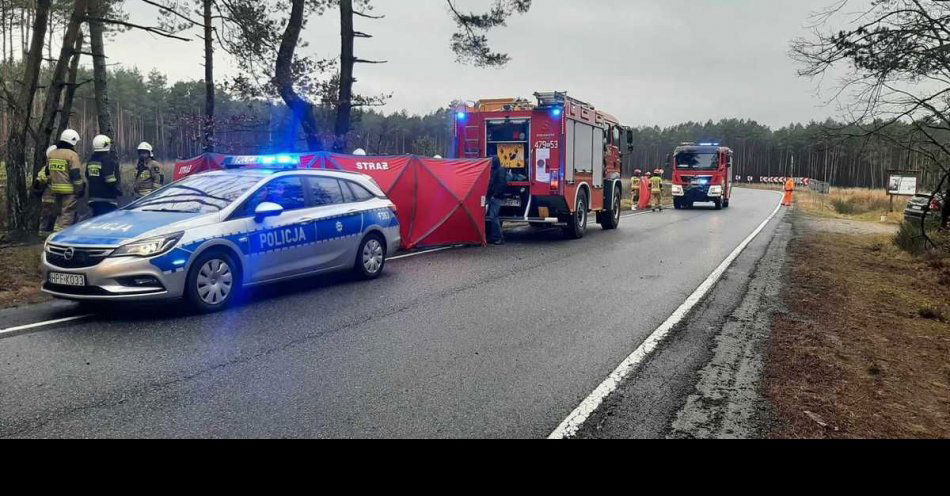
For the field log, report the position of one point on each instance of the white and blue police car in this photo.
(206, 237)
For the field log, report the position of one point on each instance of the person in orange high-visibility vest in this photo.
(636, 182)
(645, 192)
(789, 192)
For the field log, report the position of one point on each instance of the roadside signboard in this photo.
(901, 184)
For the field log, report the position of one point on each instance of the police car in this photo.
(206, 237)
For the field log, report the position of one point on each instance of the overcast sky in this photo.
(649, 62)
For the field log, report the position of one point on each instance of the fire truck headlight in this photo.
(677, 190)
(715, 191)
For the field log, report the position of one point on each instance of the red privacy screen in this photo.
(439, 201)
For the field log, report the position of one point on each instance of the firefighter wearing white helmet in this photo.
(359, 151)
(65, 175)
(102, 176)
(148, 172)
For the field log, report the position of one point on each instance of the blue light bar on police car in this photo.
(709, 144)
(268, 161)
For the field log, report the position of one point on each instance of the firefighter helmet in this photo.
(101, 143)
(145, 147)
(360, 152)
(638, 172)
(50, 150)
(70, 136)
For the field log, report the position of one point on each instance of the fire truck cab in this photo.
(702, 173)
(561, 155)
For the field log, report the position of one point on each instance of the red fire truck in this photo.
(702, 172)
(561, 155)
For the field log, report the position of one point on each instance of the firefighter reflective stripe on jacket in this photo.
(144, 182)
(635, 183)
(65, 172)
(94, 169)
(656, 184)
(61, 175)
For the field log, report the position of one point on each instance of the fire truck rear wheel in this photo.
(577, 223)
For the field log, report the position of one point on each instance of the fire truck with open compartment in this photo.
(561, 155)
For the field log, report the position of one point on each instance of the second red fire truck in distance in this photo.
(702, 173)
(562, 157)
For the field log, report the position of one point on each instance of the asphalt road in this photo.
(496, 342)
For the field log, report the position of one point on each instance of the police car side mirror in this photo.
(267, 209)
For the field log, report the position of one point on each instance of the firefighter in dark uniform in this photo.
(65, 179)
(102, 176)
(148, 172)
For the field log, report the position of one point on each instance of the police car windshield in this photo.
(697, 161)
(201, 194)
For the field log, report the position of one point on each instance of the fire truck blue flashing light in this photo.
(556, 112)
(461, 116)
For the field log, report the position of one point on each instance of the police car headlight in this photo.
(677, 190)
(150, 247)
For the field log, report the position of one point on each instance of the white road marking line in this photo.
(416, 254)
(576, 419)
(43, 324)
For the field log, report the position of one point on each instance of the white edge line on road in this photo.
(42, 324)
(576, 419)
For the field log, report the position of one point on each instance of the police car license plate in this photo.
(511, 202)
(62, 279)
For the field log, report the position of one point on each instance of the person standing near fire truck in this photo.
(635, 185)
(789, 192)
(645, 191)
(496, 191)
(656, 191)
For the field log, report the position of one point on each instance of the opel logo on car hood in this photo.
(68, 253)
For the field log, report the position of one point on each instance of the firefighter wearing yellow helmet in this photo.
(148, 172)
(102, 176)
(65, 175)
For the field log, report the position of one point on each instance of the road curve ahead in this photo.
(496, 342)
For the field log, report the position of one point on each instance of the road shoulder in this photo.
(722, 343)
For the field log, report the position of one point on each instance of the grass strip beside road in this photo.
(20, 275)
(864, 348)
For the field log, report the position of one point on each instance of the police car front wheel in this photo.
(371, 257)
(212, 282)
